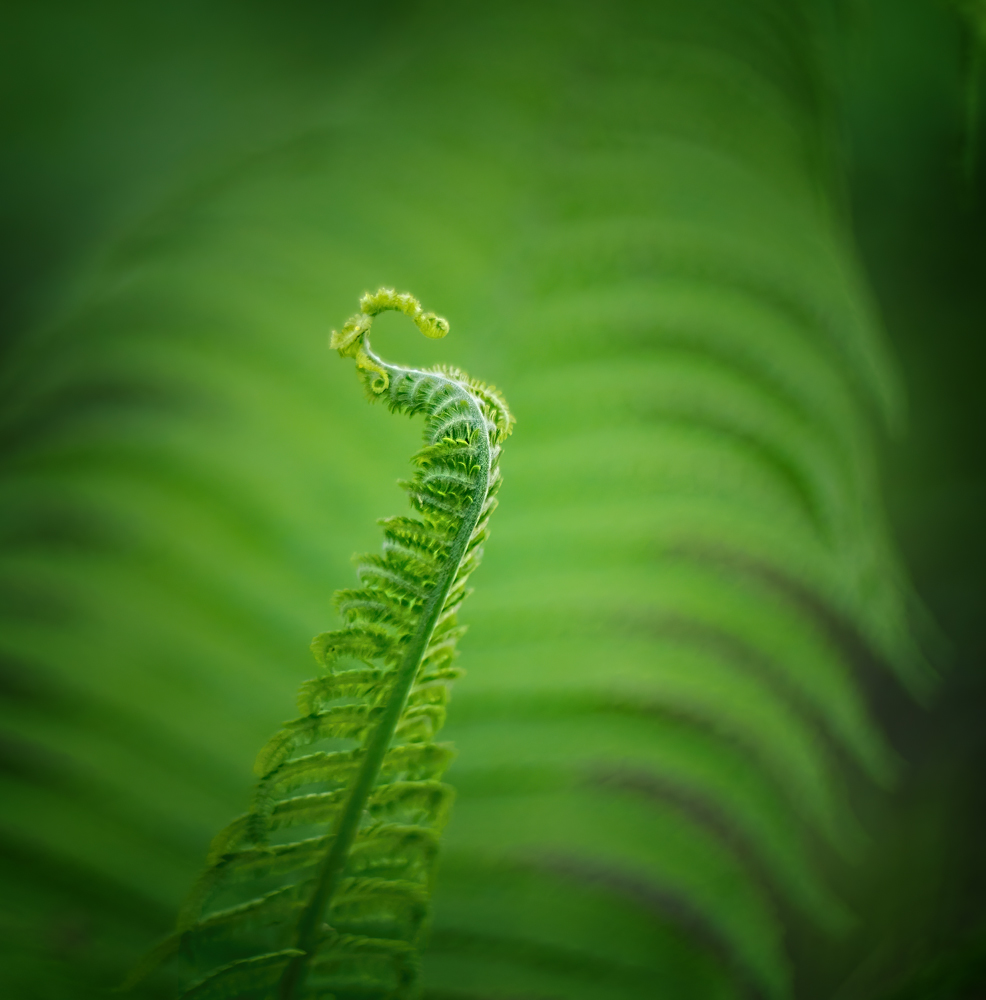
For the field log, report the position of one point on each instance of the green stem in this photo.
(347, 825)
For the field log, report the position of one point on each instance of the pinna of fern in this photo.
(340, 911)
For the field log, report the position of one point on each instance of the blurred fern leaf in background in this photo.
(635, 215)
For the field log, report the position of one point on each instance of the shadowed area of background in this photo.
(715, 740)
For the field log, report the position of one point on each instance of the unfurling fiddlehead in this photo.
(340, 912)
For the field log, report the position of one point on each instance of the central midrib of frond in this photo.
(331, 869)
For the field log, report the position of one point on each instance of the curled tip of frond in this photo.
(351, 340)
(347, 341)
(384, 299)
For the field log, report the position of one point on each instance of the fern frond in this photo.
(379, 802)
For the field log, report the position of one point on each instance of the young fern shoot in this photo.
(339, 912)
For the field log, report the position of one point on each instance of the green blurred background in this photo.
(721, 731)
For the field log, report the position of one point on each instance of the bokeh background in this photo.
(721, 733)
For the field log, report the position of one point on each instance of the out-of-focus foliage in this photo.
(634, 216)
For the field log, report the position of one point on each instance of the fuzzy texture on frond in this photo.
(344, 907)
